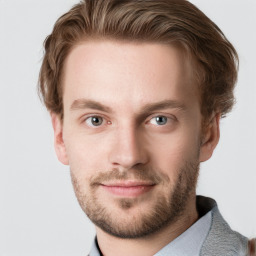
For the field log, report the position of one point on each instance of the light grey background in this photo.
(39, 214)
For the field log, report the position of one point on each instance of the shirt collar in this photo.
(95, 249)
(189, 242)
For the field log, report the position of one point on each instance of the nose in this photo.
(128, 148)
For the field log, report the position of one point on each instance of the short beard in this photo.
(166, 211)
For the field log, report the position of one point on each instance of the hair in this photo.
(173, 22)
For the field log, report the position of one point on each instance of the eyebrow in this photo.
(85, 103)
(81, 104)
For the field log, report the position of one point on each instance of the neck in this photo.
(114, 246)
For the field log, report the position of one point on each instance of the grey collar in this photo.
(222, 240)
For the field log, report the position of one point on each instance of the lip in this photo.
(127, 183)
(128, 188)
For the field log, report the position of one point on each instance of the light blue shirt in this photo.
(188, 243)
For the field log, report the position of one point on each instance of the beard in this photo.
(165, 209)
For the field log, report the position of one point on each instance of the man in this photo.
(136, 90)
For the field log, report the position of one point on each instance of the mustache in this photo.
(141, 174)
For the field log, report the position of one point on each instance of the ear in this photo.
(59, 144)
(210, 138)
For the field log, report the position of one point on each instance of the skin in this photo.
(131, 144)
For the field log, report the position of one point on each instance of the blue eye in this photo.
(159, 120)
(94, 121)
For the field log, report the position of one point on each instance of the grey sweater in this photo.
(221, 240)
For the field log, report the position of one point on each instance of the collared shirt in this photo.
(188, 243)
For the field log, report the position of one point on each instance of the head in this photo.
(136, 90)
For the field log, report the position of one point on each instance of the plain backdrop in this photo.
(39, 214)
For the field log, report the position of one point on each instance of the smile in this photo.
(128, 188)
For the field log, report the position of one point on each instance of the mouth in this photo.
(128, 188)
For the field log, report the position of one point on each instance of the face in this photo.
(131, 134)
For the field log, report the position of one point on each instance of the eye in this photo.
(94, 121)
(159, 120)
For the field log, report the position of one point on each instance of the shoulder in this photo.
(221, 239)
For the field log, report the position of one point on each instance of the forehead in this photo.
(114, 73)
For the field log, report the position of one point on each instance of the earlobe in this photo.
(210, 138)
(59, 144)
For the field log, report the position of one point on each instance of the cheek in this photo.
(169, 159)
(172, 152)
(175, 146)
(87, 155)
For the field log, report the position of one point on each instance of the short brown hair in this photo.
(165, 21)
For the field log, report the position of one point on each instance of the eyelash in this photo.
(170, 119)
